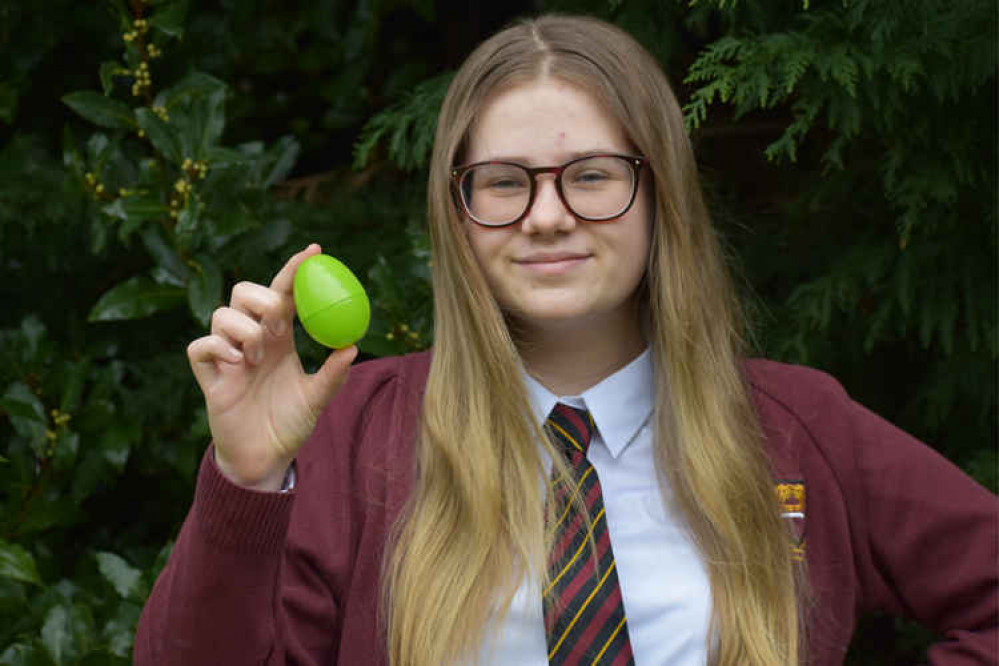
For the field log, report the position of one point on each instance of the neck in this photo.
(567, 360)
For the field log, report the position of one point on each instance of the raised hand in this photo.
(262, 406)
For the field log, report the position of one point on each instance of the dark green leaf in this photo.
(97, 147)
(135, 298)
(164, 136)
(170, 18)
(109, 70)
(22, 654)
(100, 110)
(17, 563)
(71, 157)
(89, 474)
(119, 632)
(204, 291)
(66, 633)
(187, 222)
(33, 330)
(283, 155)
(197, 108)
(138, 208)
(124, 15)
(194, 86)
(224, 158)
(115, 444)
(122, 576)
(26, 414)
(166, 257)
(55, 512)
(66, 446)
(75, 375)
(206, 123)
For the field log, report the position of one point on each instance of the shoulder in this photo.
(378, 387)
(795, 391)
(367, 430)
(377, 372)
(805, 416)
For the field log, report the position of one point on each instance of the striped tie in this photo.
(584, 611)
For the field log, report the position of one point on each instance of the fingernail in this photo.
(258, 356)
(235, 354)
(277, 327)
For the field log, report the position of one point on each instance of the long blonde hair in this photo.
(474, 527)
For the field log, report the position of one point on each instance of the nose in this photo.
(547, 214)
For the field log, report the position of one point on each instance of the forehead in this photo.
(543, 122)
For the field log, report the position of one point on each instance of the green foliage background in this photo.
(848, 149)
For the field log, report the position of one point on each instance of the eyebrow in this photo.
(523, 159)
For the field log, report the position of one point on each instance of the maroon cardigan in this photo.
(268, 578)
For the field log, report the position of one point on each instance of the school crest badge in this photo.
(791, 497)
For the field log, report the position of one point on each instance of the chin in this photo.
(550, 315)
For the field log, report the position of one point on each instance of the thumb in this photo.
(323, 385)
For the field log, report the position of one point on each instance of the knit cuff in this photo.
(236, 519)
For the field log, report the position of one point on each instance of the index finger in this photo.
(285, 279)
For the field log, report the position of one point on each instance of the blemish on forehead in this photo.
(561, 137)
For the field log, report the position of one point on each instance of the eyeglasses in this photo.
(594, 188)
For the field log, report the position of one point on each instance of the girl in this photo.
(585, 469)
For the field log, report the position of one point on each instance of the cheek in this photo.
(486, 244)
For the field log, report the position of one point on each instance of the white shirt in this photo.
(667, 597)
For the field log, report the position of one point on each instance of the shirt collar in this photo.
(620, 404)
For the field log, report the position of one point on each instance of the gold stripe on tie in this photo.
(582, 608)
(578, 551)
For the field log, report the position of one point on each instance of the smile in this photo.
(552, 263)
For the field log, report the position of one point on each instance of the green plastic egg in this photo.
(331, 302)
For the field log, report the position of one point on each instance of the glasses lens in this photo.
(599, 187)
(495, 193)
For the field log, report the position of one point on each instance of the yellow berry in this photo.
(390, 336)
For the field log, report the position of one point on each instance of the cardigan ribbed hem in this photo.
(236, 519)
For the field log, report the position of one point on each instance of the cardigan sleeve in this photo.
(932, 537)
(893, 525)
(214, 601)
(268, 578)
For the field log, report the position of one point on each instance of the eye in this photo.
(590, 176)
(505, 183)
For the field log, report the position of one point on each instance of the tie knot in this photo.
(571, 429)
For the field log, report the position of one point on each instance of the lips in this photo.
(551, 257)
(551, 263)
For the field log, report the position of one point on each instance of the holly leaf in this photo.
(100, 110)
(204, 290)
(170, 18)
(66, 633)
(17, 563)
(164, 136)
(109, 70)
(122, 576)
(136, 298)
(136, 208)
